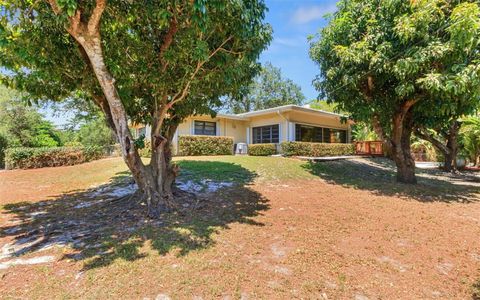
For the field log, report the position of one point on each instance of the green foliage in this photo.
(29, 158)
(424, 151)
(268, 89)
(205, 145)
(363, 132)
(213, 52)
(316, 149)
(376, 55)
(146, 151)
(95, 133)
(22, 125)
(324, 105)
(470, 139)
(262, 149)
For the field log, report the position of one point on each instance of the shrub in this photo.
(29, 158)
(205, 145)
(262, 149)
(146, 151)
(316, 149)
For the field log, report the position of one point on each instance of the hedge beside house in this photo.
(262, 149)
(194, 145)
(30, 158)
(316, 149)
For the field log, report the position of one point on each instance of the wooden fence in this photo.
(369, 148)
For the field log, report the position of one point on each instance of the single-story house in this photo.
(273, 125)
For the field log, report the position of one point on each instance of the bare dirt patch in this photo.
(328, 237)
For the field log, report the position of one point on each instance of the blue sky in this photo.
(292, 22)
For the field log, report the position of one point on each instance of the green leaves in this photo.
(465, 26)
(45, 61)
(375, 55)
(70, 6)
(268, 89)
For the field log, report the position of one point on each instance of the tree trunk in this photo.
(163, 172)
(448, 150)
(450, 164)
(154, 181)
(401, 134)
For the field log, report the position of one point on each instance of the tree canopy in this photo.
(268, 89)
(154, 62)
(24, 126)
(400, 64)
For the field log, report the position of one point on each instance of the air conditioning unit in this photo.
(241, 148)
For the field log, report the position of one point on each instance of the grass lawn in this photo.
(255, 227)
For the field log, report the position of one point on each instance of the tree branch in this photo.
(179, 96)
(96, 16)
(397, 129)
(430, 138)
(167, 40)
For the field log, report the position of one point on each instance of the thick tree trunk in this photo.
(163, 172)
(401, 134)
(154, 181)
(450, 163)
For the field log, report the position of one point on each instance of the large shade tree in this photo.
(154, 62)
(400, 65)
(268, 89)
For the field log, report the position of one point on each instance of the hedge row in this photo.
(29, 158)
(191, 145)
(262, 149)
(316, 149)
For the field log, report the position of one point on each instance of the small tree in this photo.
(153, 62)
(268, 89)
(400, 65)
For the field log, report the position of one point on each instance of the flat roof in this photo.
(283, 108)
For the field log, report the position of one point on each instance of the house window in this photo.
(205, 128)
(305, 133)
(338, 136)
(265, 134)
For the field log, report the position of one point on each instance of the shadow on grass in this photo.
(105, 224)
(379, 175)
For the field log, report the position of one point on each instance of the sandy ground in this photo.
(305, 239)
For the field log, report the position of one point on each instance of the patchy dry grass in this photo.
(284, 229)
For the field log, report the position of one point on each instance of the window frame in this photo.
(326, 133)
(203, 132)
(272, 139)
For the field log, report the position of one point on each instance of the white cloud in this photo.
(306, 14)
(289, 42)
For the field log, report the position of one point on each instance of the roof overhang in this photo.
(291, 107)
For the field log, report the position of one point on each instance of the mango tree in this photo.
(154, 62)
(400, 65)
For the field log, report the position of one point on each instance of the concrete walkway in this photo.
(331, 158)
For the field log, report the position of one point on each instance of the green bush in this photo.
(146, 151)
(205, 145)
(30, 158)
(316, 149)
(262, 149)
